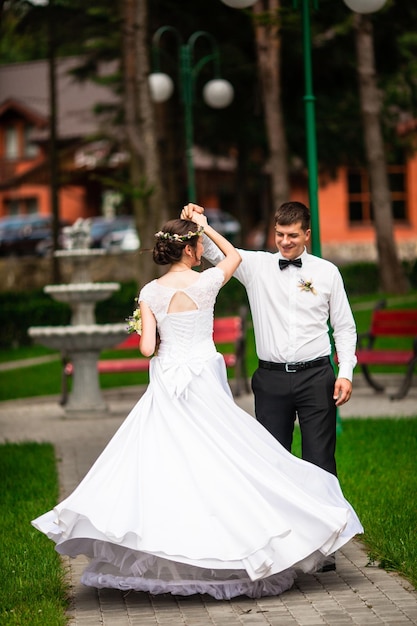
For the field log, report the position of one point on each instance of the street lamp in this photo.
(360, 6)
(217, 93)
(365, 6)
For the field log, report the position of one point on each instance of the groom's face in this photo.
(291, 239)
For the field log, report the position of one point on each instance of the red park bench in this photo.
(389, 323)
(227, 330)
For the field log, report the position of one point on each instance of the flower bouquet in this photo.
(134, 322)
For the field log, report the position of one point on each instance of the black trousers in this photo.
(282, 396)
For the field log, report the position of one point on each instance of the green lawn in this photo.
(377, 466)
(376, 460)
(33, 591)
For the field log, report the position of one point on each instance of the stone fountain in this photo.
(81, 342)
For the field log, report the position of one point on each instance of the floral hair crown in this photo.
(174, 237)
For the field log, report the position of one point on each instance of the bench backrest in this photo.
(225, 330)
(395, 322)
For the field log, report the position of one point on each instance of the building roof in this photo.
(24, 88)
(27, 84)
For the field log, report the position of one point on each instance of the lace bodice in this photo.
(189, 334)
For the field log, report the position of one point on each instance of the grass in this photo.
(25, 352)
(28, 382)
(33, 591)
(376, 466)
(45, 379)
(377, 463)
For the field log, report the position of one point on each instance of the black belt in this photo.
(294, 367)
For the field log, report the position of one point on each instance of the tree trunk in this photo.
(392, 277)
(53, 149)
(268, 50)
(148, 194)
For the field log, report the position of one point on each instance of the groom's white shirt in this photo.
(291, 308)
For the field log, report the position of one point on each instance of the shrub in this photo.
(19, 311)
(360, 278)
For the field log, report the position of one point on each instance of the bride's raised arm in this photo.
(232, 258)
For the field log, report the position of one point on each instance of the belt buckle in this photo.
(288, 365)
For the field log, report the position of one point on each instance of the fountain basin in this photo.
(81, 345)
(82, 292)
(82, 337)
(82, 297)
(74, 253)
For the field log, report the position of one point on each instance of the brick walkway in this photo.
(357, 593)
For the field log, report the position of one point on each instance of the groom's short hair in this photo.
(291, 213)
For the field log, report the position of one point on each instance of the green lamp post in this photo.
(217, 93)
(310, 117)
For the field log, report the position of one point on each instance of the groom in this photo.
(293, 297)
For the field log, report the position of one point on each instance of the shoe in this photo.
(328, 566)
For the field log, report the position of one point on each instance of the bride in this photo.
(192, 494)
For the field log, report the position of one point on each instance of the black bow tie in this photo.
(283, 263)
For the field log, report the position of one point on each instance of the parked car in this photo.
(102, 230)
(102, 227)
(225, 223)
(126, 240)
(21, 235)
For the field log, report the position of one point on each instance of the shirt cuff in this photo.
(211, 251)
(346, 371)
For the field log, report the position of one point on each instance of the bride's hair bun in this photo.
(172, 239)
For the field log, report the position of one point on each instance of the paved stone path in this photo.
(357, 593)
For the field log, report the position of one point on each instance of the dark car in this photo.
(225, 223)
(21, 235)
(102, 227)
(102, 230)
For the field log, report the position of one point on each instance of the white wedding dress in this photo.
(192, 494)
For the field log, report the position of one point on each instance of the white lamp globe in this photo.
(365, 6)
(239, 4)
(161, 86)
(218, 93)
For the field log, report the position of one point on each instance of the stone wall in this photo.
(28, 273)
(348, 252)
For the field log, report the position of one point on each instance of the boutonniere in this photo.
(307, 285)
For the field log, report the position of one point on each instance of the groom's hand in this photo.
(187, 212)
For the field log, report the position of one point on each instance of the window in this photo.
(30, 149)
(359, 191)
(21, 206)
(12, 144)
(31, 205)
(11, 207)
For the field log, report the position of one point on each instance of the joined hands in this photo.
(195, 213)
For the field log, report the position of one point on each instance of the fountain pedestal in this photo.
(86, 394)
